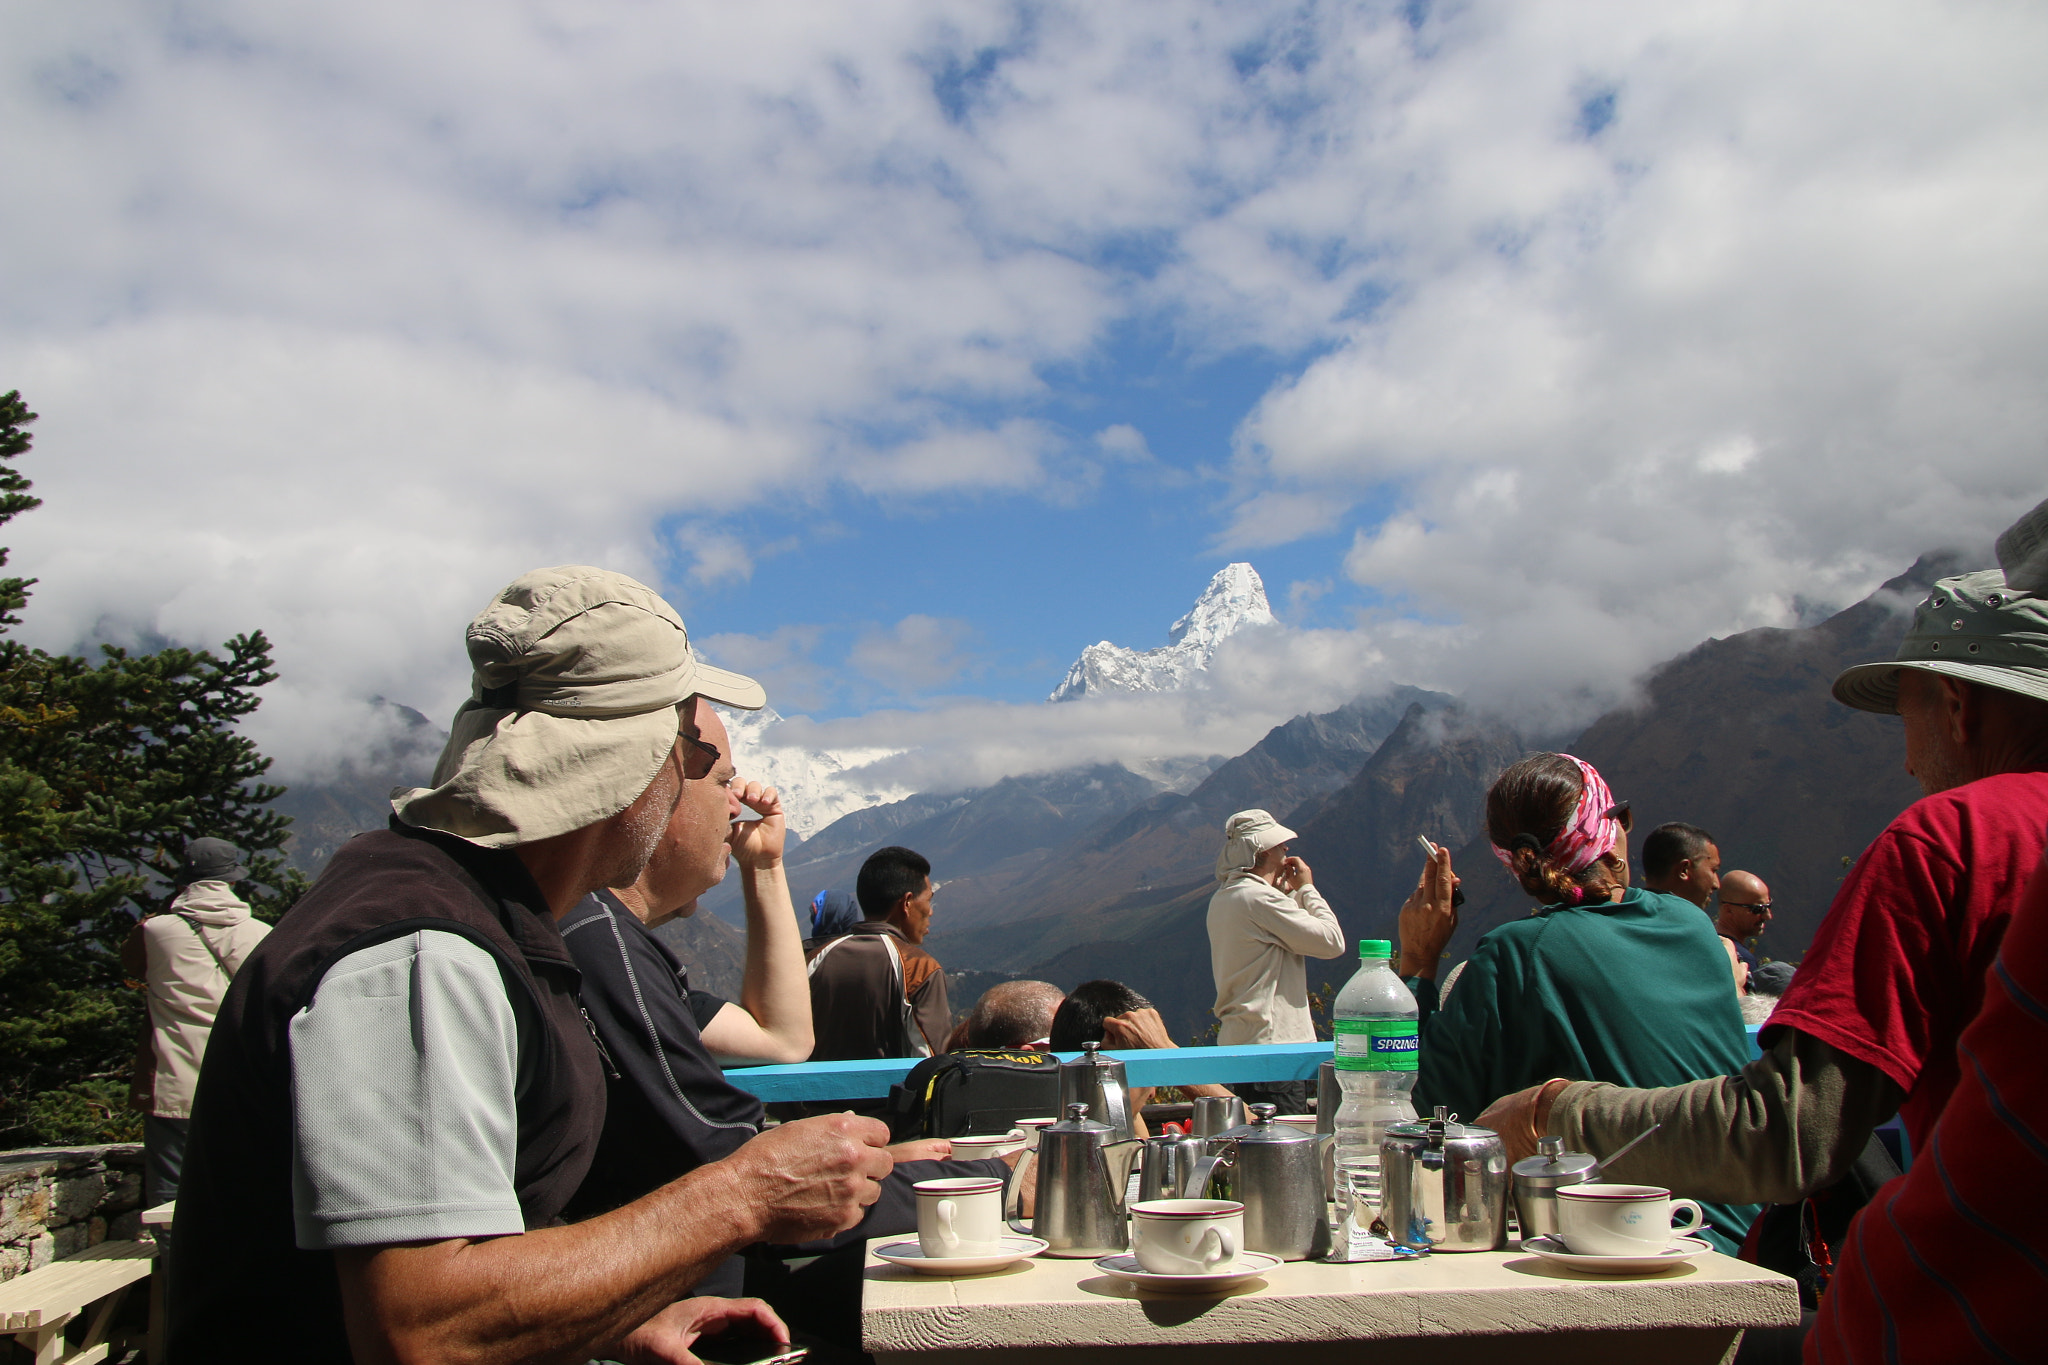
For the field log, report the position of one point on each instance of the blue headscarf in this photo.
(833, 913)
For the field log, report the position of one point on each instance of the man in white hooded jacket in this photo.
(187, 955)
(1265, 921)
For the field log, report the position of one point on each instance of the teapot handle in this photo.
(1200, 1173)
(1013, 1192)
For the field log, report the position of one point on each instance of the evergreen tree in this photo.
(107, 768)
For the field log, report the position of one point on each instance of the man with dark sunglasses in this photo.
(1745, 911)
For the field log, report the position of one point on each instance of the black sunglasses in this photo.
(700, 758)
(1764, 906)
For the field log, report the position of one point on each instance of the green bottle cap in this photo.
(1375, 947)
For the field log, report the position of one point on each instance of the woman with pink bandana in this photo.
(1603, 982)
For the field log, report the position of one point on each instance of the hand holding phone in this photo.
(1429, 851)
(746, 1346)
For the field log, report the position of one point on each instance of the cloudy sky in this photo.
(911, 347)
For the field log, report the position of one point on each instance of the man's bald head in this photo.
(1745, 905)
(1013, 1014)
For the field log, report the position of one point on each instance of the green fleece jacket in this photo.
(1636, 992)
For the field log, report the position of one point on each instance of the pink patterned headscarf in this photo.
(1589, 833)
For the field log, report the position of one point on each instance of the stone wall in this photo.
(57, 1201)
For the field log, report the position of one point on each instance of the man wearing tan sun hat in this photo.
(402, 1092)
(1868, 1026)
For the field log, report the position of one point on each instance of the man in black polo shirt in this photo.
(401, 1092)
(671, 1108)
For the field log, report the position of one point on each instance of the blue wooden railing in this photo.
(871, 1078)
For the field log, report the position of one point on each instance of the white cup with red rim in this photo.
(1598, 1219)
(959, 1216)
(1187, 1236)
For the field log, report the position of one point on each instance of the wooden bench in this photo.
(37, 1307)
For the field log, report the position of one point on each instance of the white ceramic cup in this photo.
(981, 1145)
(959, 1216)
(1186, 1236)
(1621, 1220)
(1031, 1128)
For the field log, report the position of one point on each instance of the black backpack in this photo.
(958, 1094)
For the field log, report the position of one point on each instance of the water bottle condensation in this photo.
(1377, 1048)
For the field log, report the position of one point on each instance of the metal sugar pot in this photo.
(1098, 1082)
(1276, 1172)
(1175, 1167)
(1446, 1185)
(1081, 1172)
(1540, 1177)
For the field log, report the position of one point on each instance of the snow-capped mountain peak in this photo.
(1234, 599)
(817, 786)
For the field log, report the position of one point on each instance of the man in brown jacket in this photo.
(874, 991)
(186, 956)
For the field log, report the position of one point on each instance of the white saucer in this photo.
(978, 1148)
(1248, 1266)
(911, 1256)
(1681, 1250)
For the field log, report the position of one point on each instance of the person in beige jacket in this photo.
(1265, 921)
(187, 956)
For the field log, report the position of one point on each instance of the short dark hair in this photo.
(1081, 1014)
(1666, 846)
(887, 877)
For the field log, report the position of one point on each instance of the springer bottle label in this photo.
(1377, 1045)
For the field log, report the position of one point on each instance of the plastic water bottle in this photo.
(1376, 1055)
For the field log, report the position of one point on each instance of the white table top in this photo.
(1052, 1303)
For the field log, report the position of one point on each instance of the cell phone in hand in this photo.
(746, 1346)
(1430, 850)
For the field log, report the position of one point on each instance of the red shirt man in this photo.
(1944, 1264)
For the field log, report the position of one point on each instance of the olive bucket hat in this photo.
(1989, 627)
(577, 675)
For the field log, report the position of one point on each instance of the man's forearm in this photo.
(1791, 1123)
(553, 1294)
(776, 989)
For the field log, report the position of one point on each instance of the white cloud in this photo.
(916, 654)
(1273, 518)
(1123, 442)
(1769, 332)
(1641, 319)
(715, 556)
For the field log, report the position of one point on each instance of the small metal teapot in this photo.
(1081, 1173)
(1098, 1082)
(1175, 1166)
(1446, 1185)
(1276, 1171)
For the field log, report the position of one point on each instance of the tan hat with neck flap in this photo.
(578, 673)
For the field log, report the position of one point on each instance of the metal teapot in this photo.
(1098, 1082)
(1276, 1172)
(1446, 1185)
(1081, 1172)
